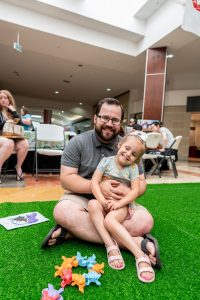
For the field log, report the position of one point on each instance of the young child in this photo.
(26, 118)
(107, 215)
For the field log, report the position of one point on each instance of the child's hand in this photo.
(105, 206)
(112, 205)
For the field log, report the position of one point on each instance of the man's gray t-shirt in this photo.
(84, 152)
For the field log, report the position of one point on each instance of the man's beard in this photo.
(103, 137)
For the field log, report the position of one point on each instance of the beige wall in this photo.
(178, 121)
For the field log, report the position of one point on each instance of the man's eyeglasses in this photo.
(106, 119)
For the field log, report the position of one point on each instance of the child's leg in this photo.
(113, 224)
(97, 216)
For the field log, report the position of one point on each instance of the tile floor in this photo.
(187, 172)
(48, 186)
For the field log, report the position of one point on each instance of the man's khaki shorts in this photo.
(83, 201)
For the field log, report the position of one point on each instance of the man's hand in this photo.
(113, 189)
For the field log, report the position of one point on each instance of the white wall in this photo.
(179, 97)
(172, 98)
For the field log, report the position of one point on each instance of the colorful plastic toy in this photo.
(69, 263)
(66, 278)
(51, 294)
(78, 279)
(92, 277)
(91, 261)
(65, 272)
(59, 271)
(98, 268)
(82, 260)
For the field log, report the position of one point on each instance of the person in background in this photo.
(167, 136)
(79, 161)
(137, 127)
(26, 118)
(129, 127)
(108, 215)
(7, 145)
(166, 140)
(132, 122)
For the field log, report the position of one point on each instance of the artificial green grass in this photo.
(26, 269)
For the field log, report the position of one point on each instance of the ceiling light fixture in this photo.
(16, 45)
(170, 55)
(56, 92)
(108, 89)
(80, 103)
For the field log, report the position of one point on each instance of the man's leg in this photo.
(73, 217)
(140, 223)
(76, 220)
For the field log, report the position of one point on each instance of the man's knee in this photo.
(140, 223)
(93, 205)
(64, 212)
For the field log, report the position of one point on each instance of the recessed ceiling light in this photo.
(80, 65)
(66, 81)
(170, 55)
(108, 89)
(80, 103)
(62, 111)
(56, 92)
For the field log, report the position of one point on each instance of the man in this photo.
(79, 161)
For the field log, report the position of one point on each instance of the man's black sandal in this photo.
(59, 239)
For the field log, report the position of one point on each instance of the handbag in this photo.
(12, 130)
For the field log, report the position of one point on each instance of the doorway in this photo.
(194, 146)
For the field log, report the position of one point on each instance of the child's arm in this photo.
(96, 190)
(129, 198)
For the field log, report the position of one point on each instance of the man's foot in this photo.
(150, 247)
(144, 270)
(115, 259)
(57, 235)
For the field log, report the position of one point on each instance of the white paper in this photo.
(21, 220)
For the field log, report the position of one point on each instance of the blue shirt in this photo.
(26, 127)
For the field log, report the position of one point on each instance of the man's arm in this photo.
(143, 184)
(115, 190)
(164, 141)
(71, 181)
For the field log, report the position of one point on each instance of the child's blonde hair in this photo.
(140, 136)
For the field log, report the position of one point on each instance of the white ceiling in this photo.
(50, 62)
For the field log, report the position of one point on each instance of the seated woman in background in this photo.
(166, 140)
(166, 135)
(7, 145)
(26, 118)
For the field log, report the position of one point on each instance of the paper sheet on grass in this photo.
(21, 220)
